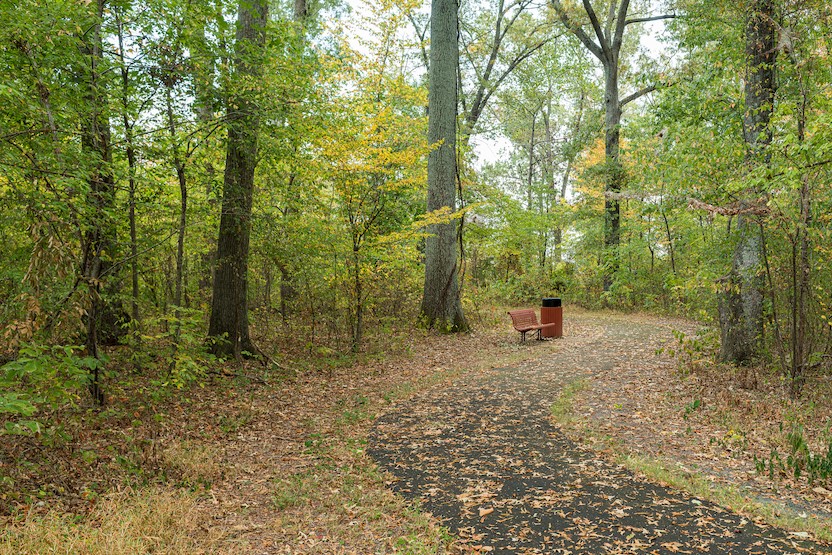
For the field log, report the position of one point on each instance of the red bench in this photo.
(524, 320)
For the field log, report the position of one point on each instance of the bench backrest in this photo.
(523, 318)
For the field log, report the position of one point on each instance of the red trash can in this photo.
(551, 312)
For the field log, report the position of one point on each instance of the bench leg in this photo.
(522, 337)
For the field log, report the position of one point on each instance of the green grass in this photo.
(562, 407)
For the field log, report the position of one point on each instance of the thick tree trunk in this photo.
(612, 140)
(229, 308)
(741, 302)
(300, 10)
(441, 305)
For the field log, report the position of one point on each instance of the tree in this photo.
(607, 48)
(104, 315)
(542, 110)
(494, 45)
(229, 308)
(441, 304)
(741, 302)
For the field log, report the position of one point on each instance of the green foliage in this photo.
(189, 358)
(800, 460)
(41, 377)
(694, 352)
(691, 407)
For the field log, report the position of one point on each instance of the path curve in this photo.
(484, 458)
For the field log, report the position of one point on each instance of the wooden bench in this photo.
(524, 320)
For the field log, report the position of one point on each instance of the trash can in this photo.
(551, 312)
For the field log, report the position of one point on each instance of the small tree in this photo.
(375, 148)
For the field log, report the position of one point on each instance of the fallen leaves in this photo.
(499, 475)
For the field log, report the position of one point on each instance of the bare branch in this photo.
(651, 18)
(421, 33)
(638, 94)
(620, 23)
(596, 26)
(485, 93)
(758, 208)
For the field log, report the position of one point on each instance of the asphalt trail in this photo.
(484, 458)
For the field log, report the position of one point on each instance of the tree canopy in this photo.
(172, 170)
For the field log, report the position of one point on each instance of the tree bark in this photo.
(530, 172)
(130, 151)
(300, 10)
(605, 44)
(104, 319)
(614, 173)
(441, 305)
(181, 177)
(606, 47)
(741, 301)
(229, 309)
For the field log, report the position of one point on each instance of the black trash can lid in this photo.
(549, 302)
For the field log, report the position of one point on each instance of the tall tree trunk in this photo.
(530, 173)
(300, 11)
(130, 150)
(605, 44)
(741, 301)
(801, 256)
(802, 272)
(358, 307)
(614, 174)
(103, 318)
(179, 166)
(288, 291)
(229, 308)
(441, 305)
(670, 246)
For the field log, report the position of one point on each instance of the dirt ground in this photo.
(704, 418)
(278, 463)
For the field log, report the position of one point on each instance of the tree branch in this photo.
(620, 23)
(487, 92)
(651, 18)
(638, 94)
(596, 26)
(578, 31)
(421, 32)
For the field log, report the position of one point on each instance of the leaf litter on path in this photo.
(548, 494)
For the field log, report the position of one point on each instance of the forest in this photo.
(234, 219)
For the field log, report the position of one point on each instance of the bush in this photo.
(41, 377)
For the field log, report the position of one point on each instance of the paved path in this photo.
(484, 458)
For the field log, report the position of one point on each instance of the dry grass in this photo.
(151, 521)
(194, 463)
